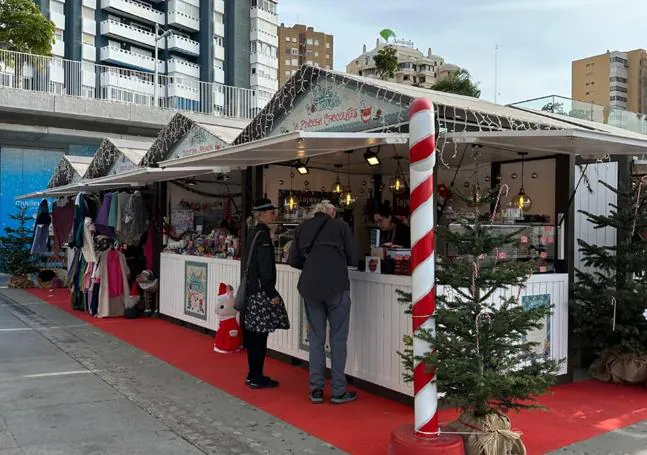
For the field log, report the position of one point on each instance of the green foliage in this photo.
(460, 83)
(484, 361)
(614, 272)
(16, 258)
(23, 28)
(386, 62)
(554, 107)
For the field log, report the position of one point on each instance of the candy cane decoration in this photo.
(422, 159)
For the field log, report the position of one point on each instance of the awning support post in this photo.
(425, 437)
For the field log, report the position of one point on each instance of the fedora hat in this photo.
(263, 205)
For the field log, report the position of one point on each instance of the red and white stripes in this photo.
(422, 159)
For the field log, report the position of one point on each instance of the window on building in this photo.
(88, 39)
(316, 54)
(316, 42)
(287, 39)
(616, 88)
(309, 41)
(253, 70)
(294, 40)
(619, 79)
(309, 62)
(327, 45)
(58, 34)
(328, 58)
(294, 51)
(288, 73)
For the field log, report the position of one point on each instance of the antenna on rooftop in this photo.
(496, 71)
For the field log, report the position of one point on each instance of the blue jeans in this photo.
(335, 312)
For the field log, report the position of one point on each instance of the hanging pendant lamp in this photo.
(290, 204)
(347, 199)
(337, 187)
(522, 200)
(398, 182)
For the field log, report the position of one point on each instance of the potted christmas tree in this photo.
(16, 259)
(609, 298)
(485, 364)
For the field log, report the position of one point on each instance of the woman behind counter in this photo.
(265, 311)
(394, 232)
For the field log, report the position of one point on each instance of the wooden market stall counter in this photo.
(378, 321)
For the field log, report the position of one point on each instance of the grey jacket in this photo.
(325, 273)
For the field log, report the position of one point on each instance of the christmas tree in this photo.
(16, 259)
(484, 362)
(610, 293)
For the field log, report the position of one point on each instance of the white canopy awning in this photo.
(148, 175)
(134, 178)
(297, 145)
(572, 141)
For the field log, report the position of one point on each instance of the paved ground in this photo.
(67, 388)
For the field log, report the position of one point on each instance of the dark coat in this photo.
(261, 275)
(325, 273)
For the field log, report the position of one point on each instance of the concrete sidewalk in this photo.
(68, 388)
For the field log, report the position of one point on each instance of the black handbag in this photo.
(301, 259)
(240, 300)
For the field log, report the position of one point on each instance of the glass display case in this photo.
(532, 242)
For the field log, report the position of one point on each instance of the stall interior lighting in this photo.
(347, 199)
(522, 200)
(190, 182)
(337, 186)
(398, 183)
(371, 157)
(301, 168)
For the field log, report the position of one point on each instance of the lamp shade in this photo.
(522, 200)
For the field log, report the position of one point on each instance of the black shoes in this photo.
(317, 396)
(346, 397)
(265, 383)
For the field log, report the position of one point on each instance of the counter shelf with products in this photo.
(532, 242)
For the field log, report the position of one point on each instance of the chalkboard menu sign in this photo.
(401, 203)
(307, 198)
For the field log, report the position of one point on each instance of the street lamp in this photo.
(157, 38)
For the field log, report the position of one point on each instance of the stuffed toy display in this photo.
(229, 335)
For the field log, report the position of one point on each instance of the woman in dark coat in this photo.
(265, 310)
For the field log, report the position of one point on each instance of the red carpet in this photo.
(576, 411)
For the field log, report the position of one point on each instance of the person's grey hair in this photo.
(324, 206)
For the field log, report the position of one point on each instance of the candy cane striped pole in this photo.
(422, 159)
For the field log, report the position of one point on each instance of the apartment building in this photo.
(414, 67)
(614, 79)
(301, 45)
(197, 41)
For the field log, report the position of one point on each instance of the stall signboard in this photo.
(197, 140)
(304, 342)
(195, 289)
(541, 335)
(330, 107)
(121, 165)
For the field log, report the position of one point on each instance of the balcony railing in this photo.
(134, 9)
(128, 33)
(620, 118)
(109, 83)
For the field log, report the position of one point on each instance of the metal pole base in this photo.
(405, 442)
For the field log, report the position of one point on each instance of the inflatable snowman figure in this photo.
(229, 336)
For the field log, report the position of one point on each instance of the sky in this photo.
(536, 39)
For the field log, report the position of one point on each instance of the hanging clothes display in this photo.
(149, 248)
(75, 276)
(62, 221)
(80, 210)
(114, 207)
(124, 199)
(88, 241)
(102, 223)
(112, 273)
(134, 220)
(40, 240)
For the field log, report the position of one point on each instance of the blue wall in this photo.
(23, 171)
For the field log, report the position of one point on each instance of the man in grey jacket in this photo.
(324, 248)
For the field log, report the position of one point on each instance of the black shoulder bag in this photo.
(241, 295)
(300, 261)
